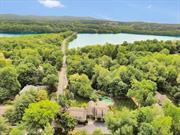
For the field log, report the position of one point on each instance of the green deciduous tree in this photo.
(9, 85)
(146, 129)
(48, 130)
(4, 126)
(38, 115)
(80, 85)
(65, 123)
(143, 91)
(122, 123)
(174, 112)
(163, 125)
(22, 102)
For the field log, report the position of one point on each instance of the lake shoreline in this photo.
(28, 33)
(101, 39)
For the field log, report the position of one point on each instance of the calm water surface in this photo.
(92, 39)
(11, 35)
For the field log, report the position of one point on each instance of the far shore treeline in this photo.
(50, 24)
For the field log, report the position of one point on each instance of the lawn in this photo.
(79, 102)
(121, 103)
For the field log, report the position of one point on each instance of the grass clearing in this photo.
(79, 102)
(121, 103)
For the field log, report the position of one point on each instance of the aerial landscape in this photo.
(90, 67)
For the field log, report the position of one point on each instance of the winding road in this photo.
(63, 81)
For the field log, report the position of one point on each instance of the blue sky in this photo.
(162, 11)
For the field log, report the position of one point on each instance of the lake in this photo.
(11, 35)
(93, 39)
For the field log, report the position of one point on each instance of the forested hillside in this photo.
(36, 24)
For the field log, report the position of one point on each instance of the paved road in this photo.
(63, 81)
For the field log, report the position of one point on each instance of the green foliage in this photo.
(163, 125)
(121, 123)
(19, 130)
(27, 74)
(39, 115)
(148, 114)
(48, 130)
(82, 132)
(174, 112)
(22, 102)
(146, 129)
(4, 126)
(97, 132)
(81, 65)
(136, 70)
(27, 24)
(9, 85)
(65, 123)
(63, 101)
(51, 81)
(81, 85)
(143, 92)
(29, 60)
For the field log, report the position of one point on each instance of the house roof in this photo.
(29, 87)
(161, 98)
(76, 111)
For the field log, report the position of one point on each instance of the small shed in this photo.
(91, 109)
(80, 114)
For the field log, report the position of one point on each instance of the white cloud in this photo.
(51, 3)
(149, 6)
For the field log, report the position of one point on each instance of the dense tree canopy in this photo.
(142, 67)
(122, 123)
(29, 60)
(151, 120)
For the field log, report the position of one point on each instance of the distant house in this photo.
(95, 110)
(29, 87)
(161, 99)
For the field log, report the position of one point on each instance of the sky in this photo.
(161, 11)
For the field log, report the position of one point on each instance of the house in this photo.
(96, 110)
(161, 99)
(101, 109)
(91, 109)
(80, 114)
